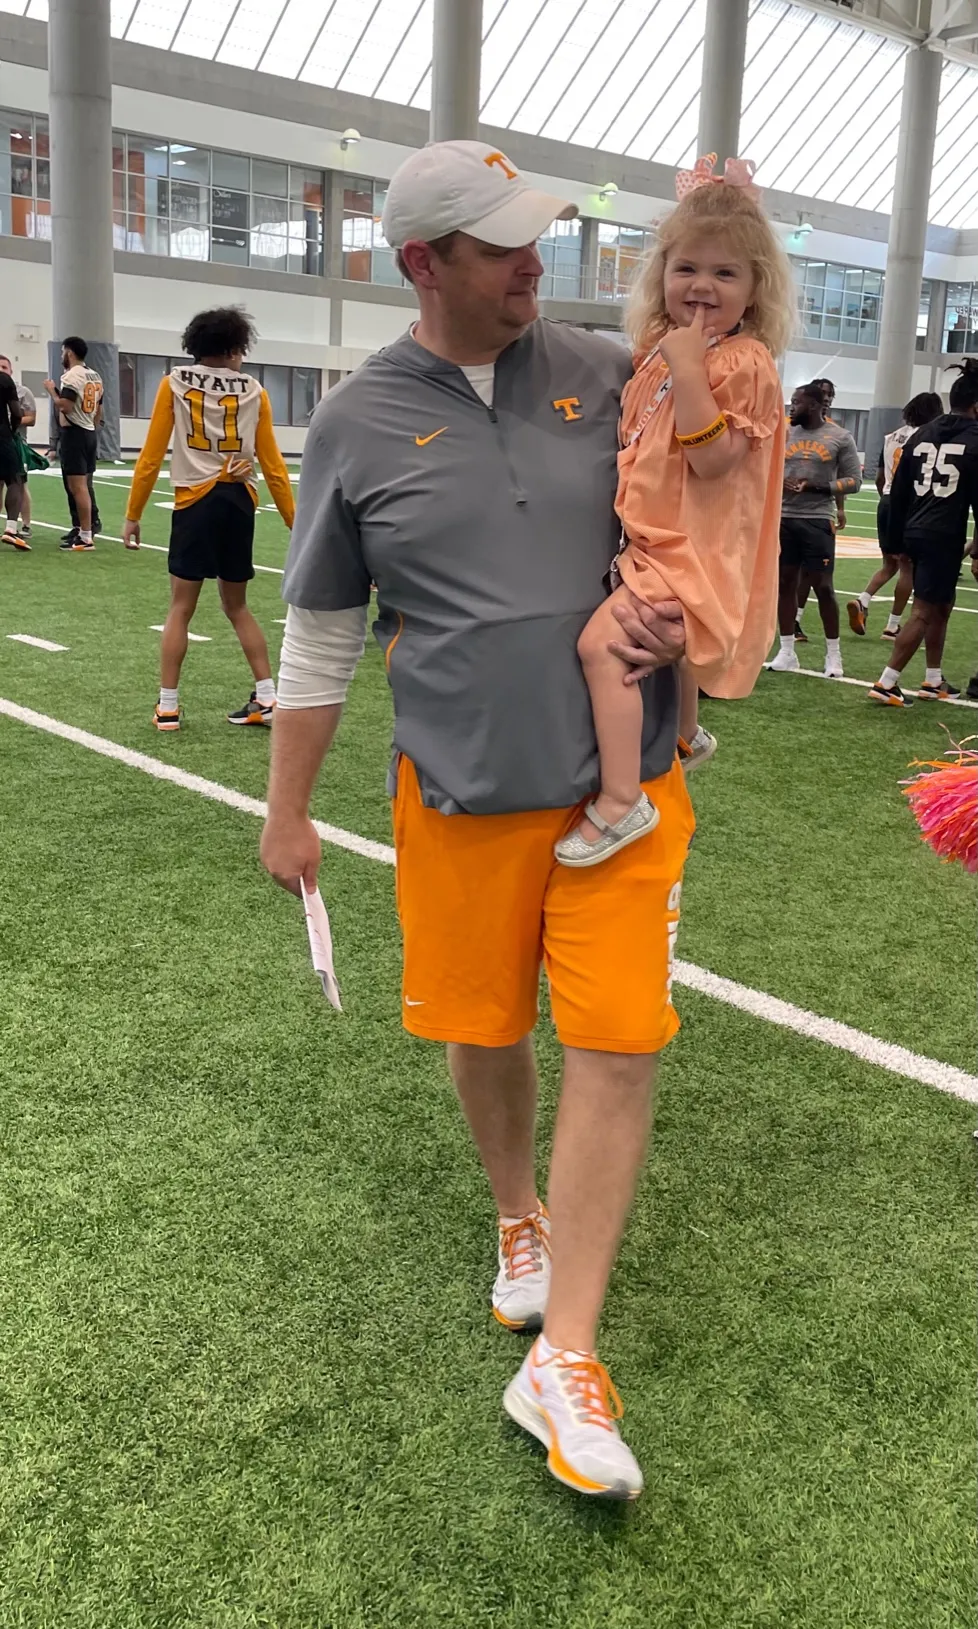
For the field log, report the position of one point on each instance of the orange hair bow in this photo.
(737, 172)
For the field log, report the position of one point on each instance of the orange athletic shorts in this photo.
(482, 902)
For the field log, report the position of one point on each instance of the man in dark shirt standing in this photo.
(821, 466)
(934, 489)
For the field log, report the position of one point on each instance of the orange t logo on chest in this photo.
(566, 405)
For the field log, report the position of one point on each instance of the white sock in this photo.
(511, 1221)
(788, 643)
(892, 623)
(889, 677)
(865, 599)
(265, 691)
(86, 537)
(933, 675)
(833, 648)
(545, 1350)
(168, 701)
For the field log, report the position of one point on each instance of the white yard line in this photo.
(42, 644)
(896, 1059)
(197, 638)
(865, 684)
(157, 548)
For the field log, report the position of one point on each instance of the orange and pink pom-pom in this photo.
(944, 800)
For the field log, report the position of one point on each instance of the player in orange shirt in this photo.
(220, 420)
(700, 473)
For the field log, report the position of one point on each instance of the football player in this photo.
(220, 422)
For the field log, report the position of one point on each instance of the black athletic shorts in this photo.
(883, 522)
(215, 536)
(807, 543)
(936, 567)
(11, 463)
(78, 450)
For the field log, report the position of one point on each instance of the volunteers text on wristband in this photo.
(702, 438)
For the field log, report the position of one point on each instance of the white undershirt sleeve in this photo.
(320, 653)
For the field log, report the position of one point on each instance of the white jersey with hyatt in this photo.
(215, 421)
(84, 386)
(220, 425)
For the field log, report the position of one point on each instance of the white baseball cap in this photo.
(467, 186)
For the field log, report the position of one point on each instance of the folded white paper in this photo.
(321, 944)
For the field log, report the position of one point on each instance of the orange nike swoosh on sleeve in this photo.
(422, 441)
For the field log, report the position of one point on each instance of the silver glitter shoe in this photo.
(575, 850)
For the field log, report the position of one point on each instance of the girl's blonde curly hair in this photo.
(713, 211)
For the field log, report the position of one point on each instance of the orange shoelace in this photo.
(591, 1388)
(524, 1245)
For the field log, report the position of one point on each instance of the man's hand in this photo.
(50, 386)
(795, 485)
(656, 635)
(290, 849)
(130, 534)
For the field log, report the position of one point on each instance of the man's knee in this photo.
(625, 1069)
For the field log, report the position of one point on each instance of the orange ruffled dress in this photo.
(712, 545)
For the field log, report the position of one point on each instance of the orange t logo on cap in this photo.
(503, 162)
(566, 405)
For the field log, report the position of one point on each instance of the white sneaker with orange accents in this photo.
(568, 1401)
(519, 1295)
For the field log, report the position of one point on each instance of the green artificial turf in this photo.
(250, 1378)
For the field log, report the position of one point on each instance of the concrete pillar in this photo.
(333, 226)
(935, 317)
(589, 258)
(721, 89)
(456, 70)
(905, 246)
(80, 92)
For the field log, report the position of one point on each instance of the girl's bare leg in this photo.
(617, 710)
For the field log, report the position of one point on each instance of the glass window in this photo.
(229, 247)
(620, 253)
(145, 156)
(127, 385)
(358, 196)
(276, 382)
(560, 251)
(147, 235)
(961, 317)
(305, 394)
(230, 209)
(176, 198)
(270, 178)
(232, 170)
(149, 372)
(189, 242)
(306, 186)
(923, 315)
(189, 202)
(190, 163)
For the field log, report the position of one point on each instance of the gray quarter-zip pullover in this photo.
(488, 532)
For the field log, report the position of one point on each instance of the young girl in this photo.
(700, 474)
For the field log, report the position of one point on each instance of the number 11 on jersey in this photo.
(198, 438)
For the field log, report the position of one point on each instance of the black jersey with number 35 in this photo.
(936, 484)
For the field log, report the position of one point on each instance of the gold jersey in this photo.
(215, 424)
